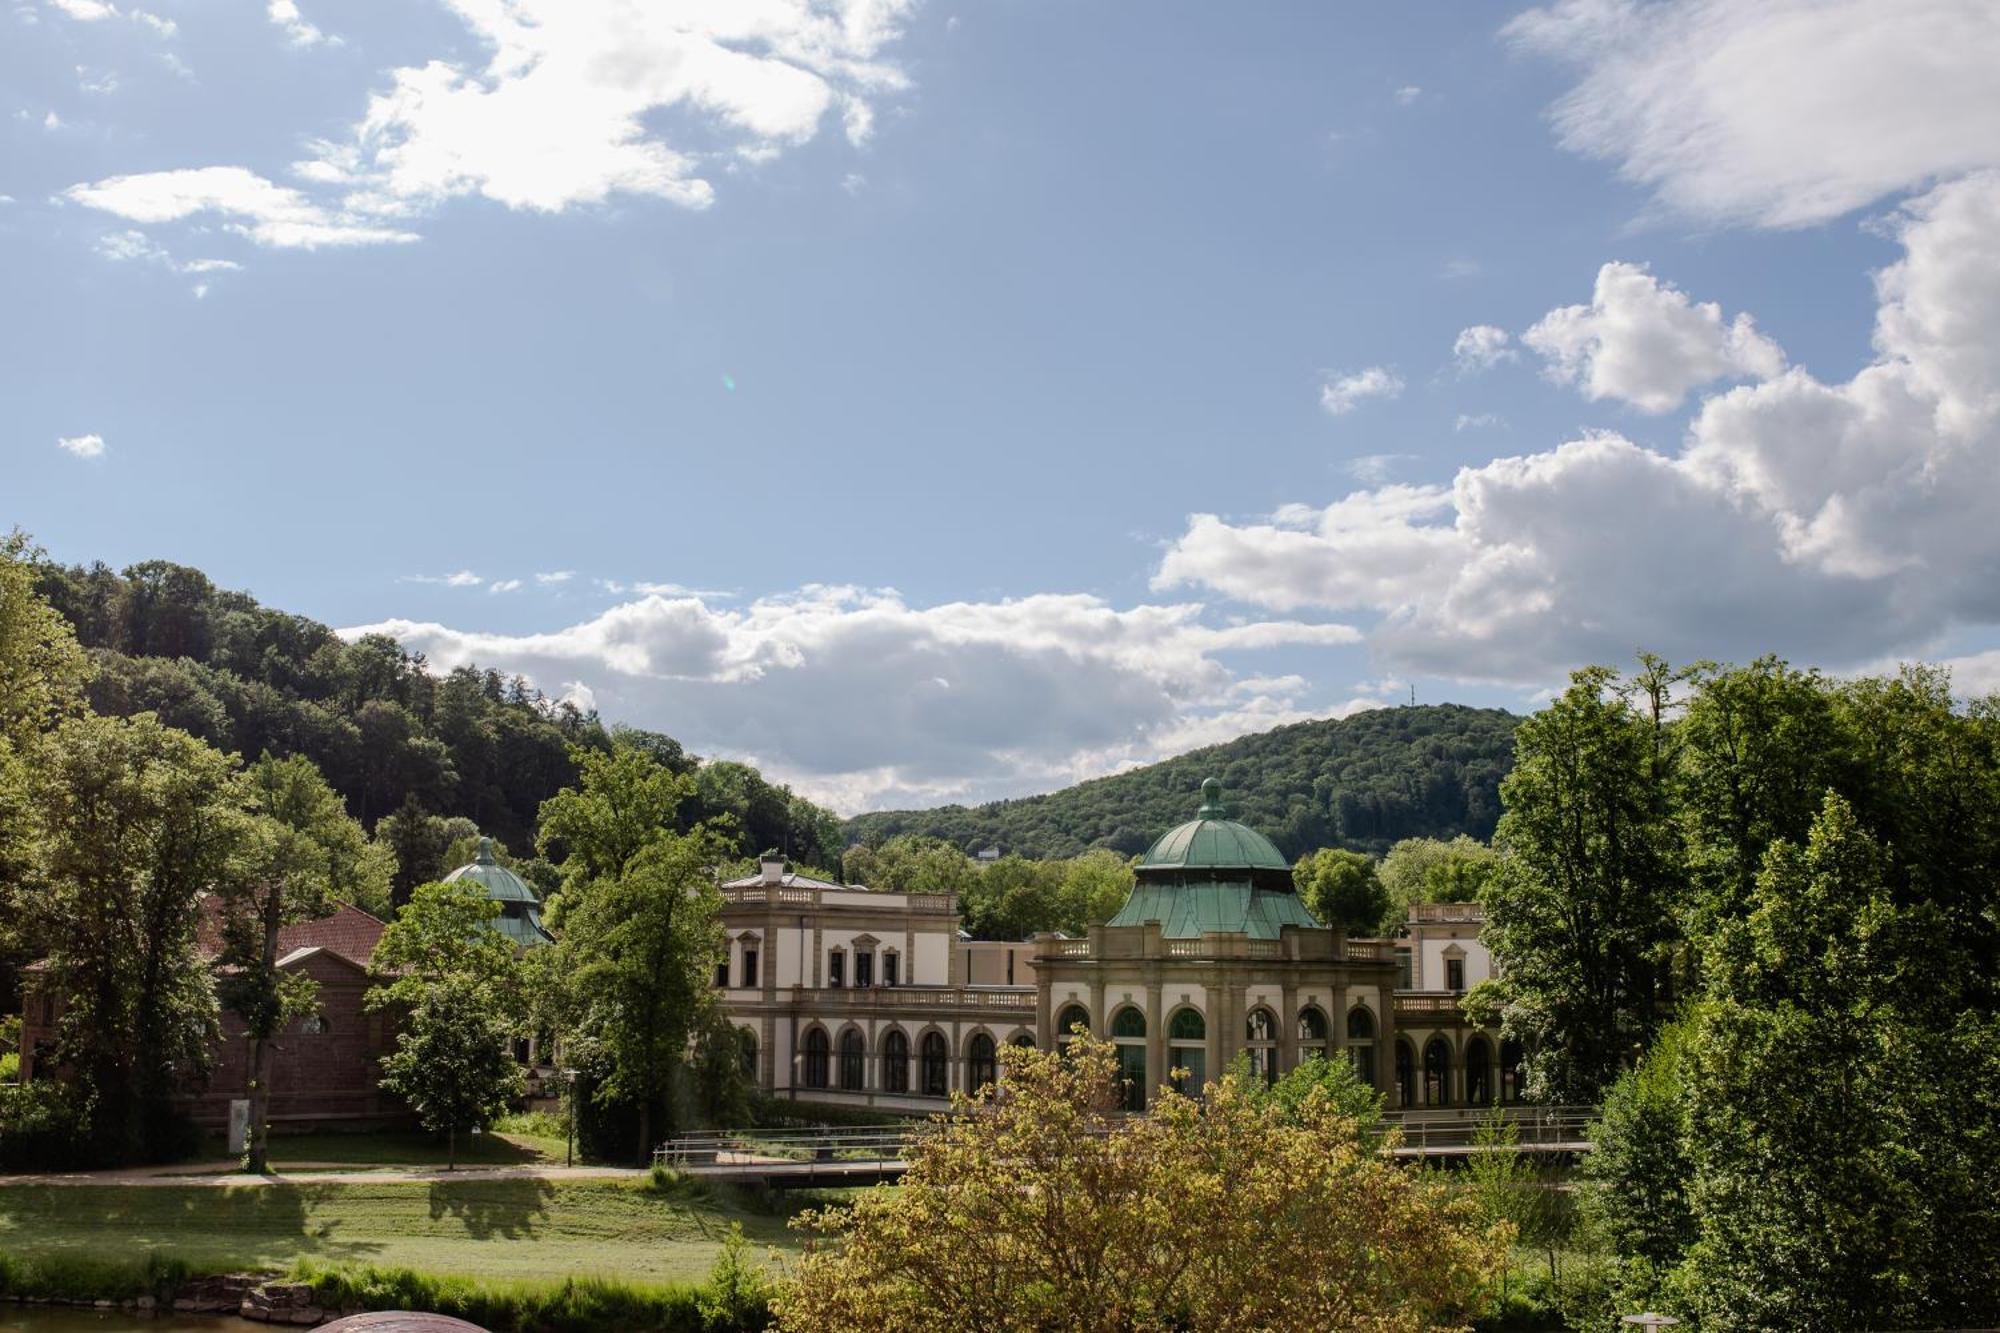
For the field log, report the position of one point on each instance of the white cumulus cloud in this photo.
(861, 698)
(1778, 113)
(1836, 522)
(270, 214)
(1644, 342)
(1481, 347)
(1344, 393)
(285, 13)
(82, 446)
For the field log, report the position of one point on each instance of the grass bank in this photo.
(291, 1152)
(487, 1229)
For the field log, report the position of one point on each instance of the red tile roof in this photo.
(349, 932)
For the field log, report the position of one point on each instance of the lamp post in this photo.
(569, 1144)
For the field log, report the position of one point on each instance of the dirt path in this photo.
(306, 1173)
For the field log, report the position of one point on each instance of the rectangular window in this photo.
(1408, 981)
(1454, 974)
(864, 969)
(749, 967)
(1010, 967)
(888, 969)
(722, 974)
(836, 968)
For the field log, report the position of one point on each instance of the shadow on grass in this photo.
(261, 1226)
(488, 1208)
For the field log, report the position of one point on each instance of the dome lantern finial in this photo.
(1211, 801)
(484, 857)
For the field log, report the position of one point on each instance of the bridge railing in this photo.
(1453, 1131)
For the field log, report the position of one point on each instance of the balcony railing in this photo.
(778, 895)
(915, 997)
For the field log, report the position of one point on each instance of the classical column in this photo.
(1338, 1020)
(1156, 1041)
(1288, 1025)
(1385, 1047)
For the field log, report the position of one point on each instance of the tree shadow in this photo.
(263, 1226)
(509, 1208)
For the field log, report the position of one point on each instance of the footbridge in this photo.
(822, 1158)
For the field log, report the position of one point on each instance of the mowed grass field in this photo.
(518, 1229)
(359, 1152)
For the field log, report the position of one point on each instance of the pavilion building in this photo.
(842, 994)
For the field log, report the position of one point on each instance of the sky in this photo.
(940, 401)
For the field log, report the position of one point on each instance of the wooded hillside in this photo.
(1363, 782)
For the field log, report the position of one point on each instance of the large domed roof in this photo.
(520, 918)
(1214, 841)
(1213, 874)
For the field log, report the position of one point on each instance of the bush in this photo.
(538, 1124)
(71, 1277)
(42, 1127)
(10, 1068)
(575, 1305)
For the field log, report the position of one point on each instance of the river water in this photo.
(56, 1319)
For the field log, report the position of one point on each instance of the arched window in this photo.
(1187, 1036)
(895, 1062)
(816, 1048)
(1437, 1072)
(982, 1061)
(1510, 1072)
(1025, 1040)
(746, 1052)
(1312, 1033)
(1128, 1033)
(1361, 1043)
(1406, 1075)
(1478, 1073)
(937, 1065)
(315, 1025)
(853, 1053)
(1260, 1030)
(1073, 1016)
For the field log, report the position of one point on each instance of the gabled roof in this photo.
(297, 956)
(349, 932)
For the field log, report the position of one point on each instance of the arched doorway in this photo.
(1128, 1033)
(1406, 1075)
(1478, 1073)
(982, 1062)
(936, 1065)
(1187, 1049)
(816, 1058)
(1437, 1072)
(1312, 1032)
(1260, 1032)
(1361, 1043)
(895, 1062)
(853, 1060)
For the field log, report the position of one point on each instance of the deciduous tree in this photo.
(1342, 889)
(1041, 1206)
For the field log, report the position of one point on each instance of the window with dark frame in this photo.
(836, 969)
(749, 967)
(864, 969)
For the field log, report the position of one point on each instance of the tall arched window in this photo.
(1187, 1038)
(1312, 1033)
(1361, 1043)
(1072, 1017)
(1510, 1072)
(895, 1062)
(746, 1052)
(1128, 1033)
(937, 1065)
(1478, 1073)
(1260, 1031)
(816, 1051)
(853, 1058)
(982, 1061)
(1406, 1075)
(1437, 1072)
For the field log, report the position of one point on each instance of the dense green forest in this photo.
(393, 738)
(1364, 782)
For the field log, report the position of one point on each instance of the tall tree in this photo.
(303, 854)
(1431, 870)
(1583, 910)
(1342, 889)
(1837, 1130)
(458, 982)
(623, 800)
(136, 821)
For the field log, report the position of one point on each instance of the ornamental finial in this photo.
(1211, 801)
(485, 855)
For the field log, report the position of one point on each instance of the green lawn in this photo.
(489, 1228)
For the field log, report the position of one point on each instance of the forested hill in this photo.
(394, 739)
(1362, 782)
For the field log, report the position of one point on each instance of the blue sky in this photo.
(939, 401)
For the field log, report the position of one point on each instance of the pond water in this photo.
(56, 1319)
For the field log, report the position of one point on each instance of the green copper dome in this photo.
(1213, 874)
(520, 918)
(1214, 841)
